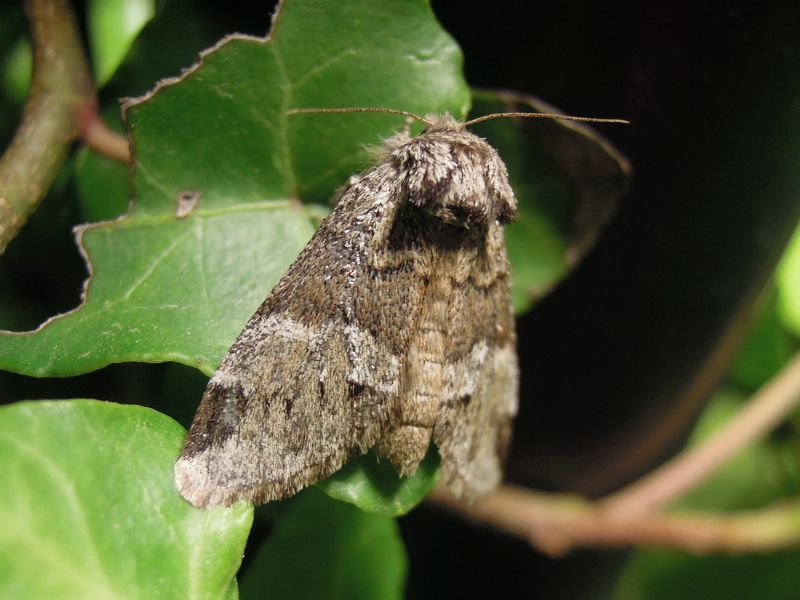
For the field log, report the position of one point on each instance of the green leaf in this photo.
(167, 288)
(15, 70)
(788, 283)
(664, 575)
(16, 60)
(768, 345)
(321, 548)
(89, 508)
(113, 25)
(375, 486)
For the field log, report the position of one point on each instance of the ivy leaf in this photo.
(167, 288)
(89, 508)
(322, 548)
(376, 488)
(112, 26)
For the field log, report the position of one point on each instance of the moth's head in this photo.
(455, 175)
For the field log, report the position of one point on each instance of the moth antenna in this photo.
(532, 115)
(355, 109)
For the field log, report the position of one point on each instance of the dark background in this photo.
(617, 362)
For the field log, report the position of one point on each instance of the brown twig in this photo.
(61, 107)
(94, 132)
(557, 523)
(764, 411)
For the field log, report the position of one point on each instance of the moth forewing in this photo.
(392, 328)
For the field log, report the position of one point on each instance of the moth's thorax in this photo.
(455, 176)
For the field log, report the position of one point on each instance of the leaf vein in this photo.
(320, 69)
(157, 260)
(65, 485)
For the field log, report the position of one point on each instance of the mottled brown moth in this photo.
(393, 328)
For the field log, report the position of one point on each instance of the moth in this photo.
(393, 328)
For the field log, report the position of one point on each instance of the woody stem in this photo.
(61, 107)
(555, 523)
